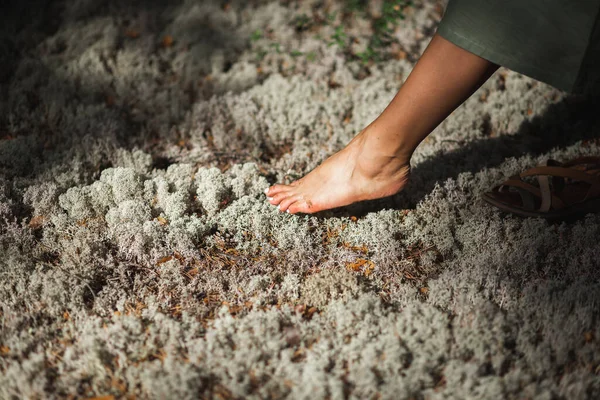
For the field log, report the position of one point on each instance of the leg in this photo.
(376, 162)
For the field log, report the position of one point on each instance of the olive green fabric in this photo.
(554, 41)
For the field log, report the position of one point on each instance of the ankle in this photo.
(389, 143)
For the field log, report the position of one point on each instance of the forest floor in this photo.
(140, 258)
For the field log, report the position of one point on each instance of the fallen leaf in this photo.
(192, 273)
(37, 221)
(132, 33)
(408, 275)
(370, 268)
(167, 41)
(164, 260)
(178, 256)
(298, 355)
(356, 265)
(288, 383)
(110, 100)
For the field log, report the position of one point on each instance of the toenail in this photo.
(267, 190)
(279, 206)
(287, 211)
(270, 198)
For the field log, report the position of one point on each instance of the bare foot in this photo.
(363, 170)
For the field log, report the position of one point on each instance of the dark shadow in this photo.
(40, 18)
(141, 24)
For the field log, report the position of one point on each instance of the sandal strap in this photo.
(546, 194)
(582, 160)
(548, 199)
(558, 183)
(527, 198)
(571, 173)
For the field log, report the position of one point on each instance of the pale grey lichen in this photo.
(124, 182)
(212, 189)
(329, 284)
(139, 254)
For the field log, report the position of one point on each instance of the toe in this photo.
(285, 203)
(279, 197)
(275, 189)
(296, 207)
(300, 206)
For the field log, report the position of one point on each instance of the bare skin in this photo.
(376, 162)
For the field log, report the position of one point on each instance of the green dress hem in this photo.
(559, 81)
(553, 41)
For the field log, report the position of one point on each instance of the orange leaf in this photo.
(167, 41)
(178, 256)
(37, 221)
(370, 268)
(132, 33)
(355, 266)
(164, 260)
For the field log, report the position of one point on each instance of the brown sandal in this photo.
(564, 190)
